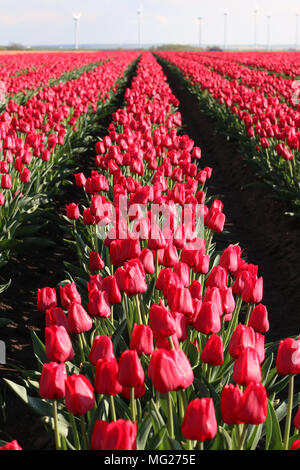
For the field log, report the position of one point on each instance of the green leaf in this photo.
(143, 433)
(5, 321)
(175, 445)
(3, 287)
(273, 432)
(38, 348)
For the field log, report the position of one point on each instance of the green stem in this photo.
(74, 432)
(84, 432)
(242, 437)
(289, 414)
(81, 347)
(170, 416)
(138, 307)
(112, 408)
(132, 405)
(56, 431)
(249, 310)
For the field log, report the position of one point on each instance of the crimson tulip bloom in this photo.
(58, 344)
(297, 420)
(212, 352)
(106, 372)
(117, 435)
(98, 304)
(200, 422)
(161, 321)
(79, 396)
(147, 260)
(142, 339)
(96, 263)
(230, 402)
(46, 298)
(295, 445)
(69, 294)
(242, 337)
(73, 212)
(56, 316)
(110, 285)
(259, 319)
(170, 370)
(78, 319)
(102, 348)
(208, 319)
(12, 445)
(135, 277)
(6, 181)
(288, 357)
(52, 380)
(253, 404)
(217, 277)
(246, 367)
(131, 372)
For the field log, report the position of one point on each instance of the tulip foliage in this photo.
(156, 340)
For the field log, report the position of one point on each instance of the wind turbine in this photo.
(139, 13)
(268, 31)
(200, 31)
(255, 27)
(297, 29)
(76, 18)
(225, 29)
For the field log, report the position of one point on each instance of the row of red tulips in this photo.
(158, 341)
(265, 126)
(39, 139)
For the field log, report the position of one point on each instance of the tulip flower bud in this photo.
(253, 404)
(196, 290)
(217, 277)
(147, 260)
(110, 286)
(69, 294)
(200, 422)
(78, 319)
(102, 348)
(106, 372)
(170, 370)
(259, 319)
(246, 367)
(142, 339)
(208, 319)
(46, 298)
(52, 381)
(96, 263)
(161, 321)
(73, 212)
(13, 445)
(288, 357)
(117, 435)
(79, 398)
(56, 316)
(212, 352)
(242, 337)
(230, 403)
(297, 420)
(295, 445)
(98, 304)
(6, 181)
(131, 373)
(58, 344)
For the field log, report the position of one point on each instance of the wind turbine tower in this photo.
(76, 18)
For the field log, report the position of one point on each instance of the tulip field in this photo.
(132, 317)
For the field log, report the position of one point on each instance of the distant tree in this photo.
(214, 48)
(174, 47)
(14, 46)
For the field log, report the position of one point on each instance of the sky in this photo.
(48, 22)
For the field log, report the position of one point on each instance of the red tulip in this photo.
(142, 339)
(230, 403)
(131, 373)
(259, 319)
(117, 435)
(200, 422)
(58, 344)
(253, 404)
(78, 319)
(52, 381)
(46, 298)
(79, 397)
(246, 367)
(212, 352)
(106, 372)
(288, 357)
(12, 445)
(102, 348)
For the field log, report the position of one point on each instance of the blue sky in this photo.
(33, 22)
